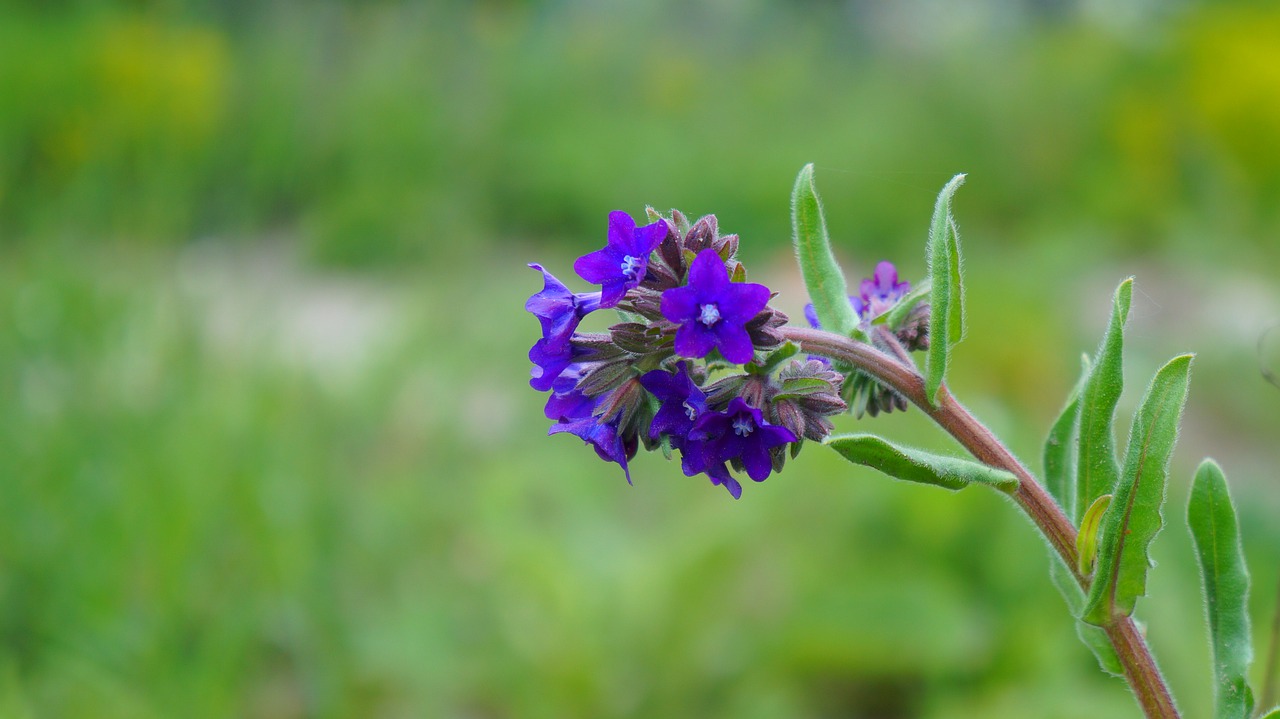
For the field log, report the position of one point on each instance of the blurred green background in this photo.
(266, 443)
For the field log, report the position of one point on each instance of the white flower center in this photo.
(710, 314)
(630, 266)
(690, 411)
(743, 426)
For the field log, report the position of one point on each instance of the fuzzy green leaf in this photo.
(823, 277)
(955, 305)
(1133, 520)
(1212, 518)
(1092, 637)
(946, 295)
(897, 314)
(1096, 469)
(1273, 714)
(917, 465)
(1059, 472)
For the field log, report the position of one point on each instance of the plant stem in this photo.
(1139, 666)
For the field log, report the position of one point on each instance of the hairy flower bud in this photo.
(702, 235)
(914, 332)
(623, 406)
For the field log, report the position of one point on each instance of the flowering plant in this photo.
(702, 365)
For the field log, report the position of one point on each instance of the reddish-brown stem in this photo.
(1139, 666)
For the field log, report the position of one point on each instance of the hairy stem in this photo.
(1139, 666)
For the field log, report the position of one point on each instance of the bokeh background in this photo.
(266, 443)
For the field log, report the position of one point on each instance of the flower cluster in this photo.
(696, 365)
(880, 293)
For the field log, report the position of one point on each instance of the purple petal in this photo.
(612, 291)
(734, 342)
(599, 266)
(811, 315)
(694, 340)
(719, 474)
(707, 273)
(622, 230)
(741, 301)
(858, 305)
(886, 276)
(757, 462)
(680, 304)
(646, 239)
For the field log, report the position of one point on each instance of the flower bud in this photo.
(604, 377)
(788, 414)
(702, 235)
(623, 404)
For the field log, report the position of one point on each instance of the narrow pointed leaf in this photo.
(1096, 470)
(823, 277)
(955, 306)
(944, 289)
(1059, 450)
(917, 465)
(1092, 637)
(1087, 538)
(1133, 520)
(1212, 518)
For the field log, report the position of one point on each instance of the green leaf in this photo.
(1092, 637)
(1087, 538)
(897, 314)
(946, 295)
(823, 277)
(775, 358)
(1133, 520)
(1212, 518)
(955, 306)
(1059, 474)
(1096, 469)
(917, 465)
(1273, 714)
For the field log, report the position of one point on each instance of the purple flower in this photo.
(882, 290)
(550, 360)
(683, 403)
(558, 311)
(712, 311)
(566, 400)
(622, 263)
(739, 432)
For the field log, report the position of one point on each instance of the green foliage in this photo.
(823, 277)
(1096, 468)
(1059, 450)
(895, 316)
(946, 293)
(1095, 638)
(1212, 517)
(1134, 518)
(916, 465)
(775, 358)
